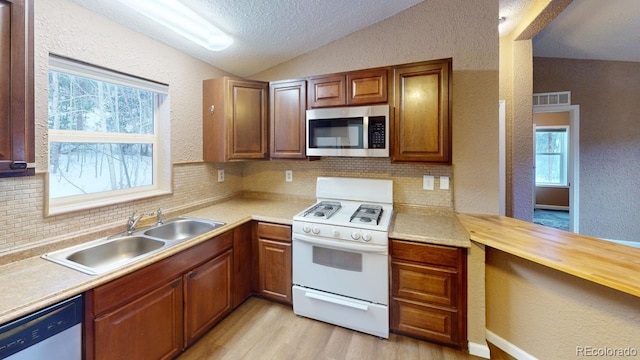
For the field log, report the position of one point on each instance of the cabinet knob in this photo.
(212, 109)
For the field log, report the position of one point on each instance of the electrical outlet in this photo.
(220, 175)
(444, 182)
(288, 175)
(427, 182)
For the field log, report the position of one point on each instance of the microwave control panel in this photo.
(377, 132)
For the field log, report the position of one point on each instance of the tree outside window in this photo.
(103, 134)
(551, 156)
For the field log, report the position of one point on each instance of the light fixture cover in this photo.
(182, 20)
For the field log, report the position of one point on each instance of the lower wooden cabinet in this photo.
(242, 260)
(274, 262)
(208, 295)
(149, 327)
(429, 292)
(155, 312)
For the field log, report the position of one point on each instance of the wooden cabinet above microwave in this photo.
(351, 88)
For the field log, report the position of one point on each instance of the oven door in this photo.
(354, 270)
(343, 133)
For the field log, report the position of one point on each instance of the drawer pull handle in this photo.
(337, 301)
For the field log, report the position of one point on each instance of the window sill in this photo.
(58, 209)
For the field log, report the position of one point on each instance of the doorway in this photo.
(557, 180)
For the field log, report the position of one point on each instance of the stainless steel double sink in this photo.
(107, 254)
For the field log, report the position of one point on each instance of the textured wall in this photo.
(433, 30)
(607, 92)
(548, 313)
(63, 28)
(437, 29)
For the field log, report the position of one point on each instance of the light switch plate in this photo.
(288, 175)
(427, 182)
(220, 175)
(444, 182)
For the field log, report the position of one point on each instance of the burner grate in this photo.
(323, 209)
(367, 214)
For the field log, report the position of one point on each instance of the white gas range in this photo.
(340, 254)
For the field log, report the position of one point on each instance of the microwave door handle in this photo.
(365, 130)
(342, 245)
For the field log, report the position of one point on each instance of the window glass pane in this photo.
(85, 168)
(550, 142)
(551, 156)
(548, 169)
(84, 104)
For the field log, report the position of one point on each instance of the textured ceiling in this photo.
(265, 32)
(593, 29)
(269, 32)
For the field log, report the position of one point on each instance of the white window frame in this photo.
(565, 157)
(160, 140)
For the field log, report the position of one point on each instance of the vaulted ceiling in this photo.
(269, 32)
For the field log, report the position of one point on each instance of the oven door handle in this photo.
(342, 245)
(336, 301)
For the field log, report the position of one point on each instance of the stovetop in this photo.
(348, 214)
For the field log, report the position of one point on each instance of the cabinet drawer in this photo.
(424, 321)
(274, 231)
(426, 253)
(424, 283)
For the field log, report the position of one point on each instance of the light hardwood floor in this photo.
(261, 329)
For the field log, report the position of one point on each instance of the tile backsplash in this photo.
(23, 224)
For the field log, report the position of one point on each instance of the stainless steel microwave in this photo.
(361, 131)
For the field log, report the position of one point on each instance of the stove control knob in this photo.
(335, 233)
(316, 230)
(366, 237)
(355, 235)
(306, 228)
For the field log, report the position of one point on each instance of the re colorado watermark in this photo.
(606, 351)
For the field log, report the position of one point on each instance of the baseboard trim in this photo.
(508, 347)
(480, 350)
(552, 207)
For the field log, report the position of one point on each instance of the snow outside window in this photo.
(108, 137)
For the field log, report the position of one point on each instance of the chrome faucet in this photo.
(133, 220)
(159, 216)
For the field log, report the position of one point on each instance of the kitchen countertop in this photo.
(434, 228)
(34, 283)
(600, 261)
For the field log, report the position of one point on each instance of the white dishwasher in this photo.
(51, 333)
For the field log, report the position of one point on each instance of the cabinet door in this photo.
(149, 327)
(288, 102)
(422, 123)
(367, 87)
(327, 90)
(208, 295)
(275, 270)
(16, 88)
(247, 119)
(242, 263)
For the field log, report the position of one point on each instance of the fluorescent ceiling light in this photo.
(182, 20)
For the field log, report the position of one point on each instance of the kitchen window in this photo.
(551, 155)
(108, 137)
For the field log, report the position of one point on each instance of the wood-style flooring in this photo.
(262, 329)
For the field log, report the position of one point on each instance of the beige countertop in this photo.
(34, 283)
(439, 229)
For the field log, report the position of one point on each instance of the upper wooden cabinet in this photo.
(16, 88)
(288, 102)
(422, 121)
(234, 119)
(351, 88)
